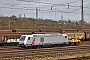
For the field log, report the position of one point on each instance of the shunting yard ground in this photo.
(54, 53)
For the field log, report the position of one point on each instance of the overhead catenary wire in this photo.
(18, 5)
(44, 5)
(28, 7)
(73, 2)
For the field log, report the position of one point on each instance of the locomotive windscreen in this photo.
(22, 38)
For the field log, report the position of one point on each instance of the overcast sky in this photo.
(59, 10)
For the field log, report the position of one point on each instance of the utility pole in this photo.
(68, 5)
(24, 16)
(36, 13)
(9, 24)
(55, 21)
(82, 17)
(61, 16)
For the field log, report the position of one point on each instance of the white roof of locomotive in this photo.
(52, 34)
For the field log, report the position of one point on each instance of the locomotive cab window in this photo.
(28, 38)
(22, 38)
(65, 36)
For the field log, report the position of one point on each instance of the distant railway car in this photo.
(12, 40)
(78, 35)
(41, 40)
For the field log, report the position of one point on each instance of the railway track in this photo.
(80, 58)
(45, 53)
(15, 53)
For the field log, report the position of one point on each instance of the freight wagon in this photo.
(44, 40)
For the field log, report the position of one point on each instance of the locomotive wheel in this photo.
(77, 43)
(71, 43)
(38, 46)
